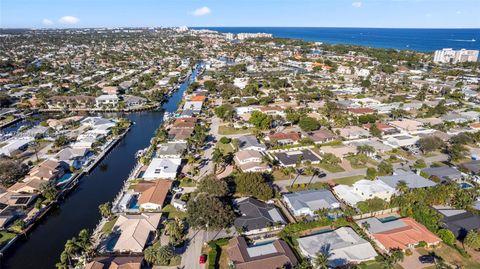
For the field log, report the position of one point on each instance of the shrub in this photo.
(225, 140)
(421, 244)
(408, 252)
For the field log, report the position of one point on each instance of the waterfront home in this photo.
(84, 142)
(14, 146)
(412, 180)
(284, 138)
(162, 168)
(195, 106)
(375, 143)
(291, 158)
(16, 200)
(250, 161)
(308, 201)
(152, 194)
(96, 121)
(444, 173)
(344, 245)
(401, 233)
(73, 157)
(363, 190)
(134, 232)
(171, 150)
(185, 123)
(459, 221)
(50, 169)
(77, 101)
(250, 142)
(132, 100)
(270, 255)
(116, 262)
(107, 100)
(179, 135)
(257, 216)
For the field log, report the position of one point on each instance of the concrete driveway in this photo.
(413, 262)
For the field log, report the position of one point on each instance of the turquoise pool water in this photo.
(387, 219)
(64, 179)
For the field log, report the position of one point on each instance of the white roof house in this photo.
(309, 201)
(15, 144)
(363, 190)
(193, 105)
(107, 99)
(401, 140)
(162, 168)
(344, 244)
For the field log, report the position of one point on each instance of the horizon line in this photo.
(206, 27)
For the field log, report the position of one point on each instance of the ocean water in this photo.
(424, 40)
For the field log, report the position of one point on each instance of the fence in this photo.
(376, 213)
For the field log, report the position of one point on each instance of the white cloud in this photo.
(357, 4)
(69, 20)
(201, 11)
(47, 22)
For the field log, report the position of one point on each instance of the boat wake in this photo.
(464, 40)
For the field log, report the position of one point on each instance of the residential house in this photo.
(250, 142)
(401, 233)
(257, 216)
(363, 190)
(444, 173)
(341, 151)
(132, 100)
(116, 262)
(344, 245)
(321, 136)
(472, 167)
(107, 100)
(412, 180)
(73, 157)
(459, 221)
(308, 201)
(250, 161)
(401, 140)
(152, 194)
(291, 158)
(135, 231)
(284, 138)
(171, 150)
(352, 132)
(14, 146)
(162, 168)
(50, 169)
(272, 255)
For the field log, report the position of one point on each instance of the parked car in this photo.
(203, 259)
(177, 189)
(321, 174)
(426, 259)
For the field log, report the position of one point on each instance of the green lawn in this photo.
(173, 212)
(312, 186)
(348, 180)
(279, 175)
(225, 130)
(108, 227)
(5, 237)
(452, 256)
(226, 148)
(331, 168)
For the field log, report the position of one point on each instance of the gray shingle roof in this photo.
(256, 214)
(313, 199)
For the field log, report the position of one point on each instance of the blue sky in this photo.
(316, 13)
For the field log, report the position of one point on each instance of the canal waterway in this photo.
(79, 210)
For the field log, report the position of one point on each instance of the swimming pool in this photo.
(387, 219)
(64, 179)
(465, 185)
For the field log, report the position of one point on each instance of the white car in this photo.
(177, 189)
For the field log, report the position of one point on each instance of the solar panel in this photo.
(22, 200)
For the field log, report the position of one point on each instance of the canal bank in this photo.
(79, 210)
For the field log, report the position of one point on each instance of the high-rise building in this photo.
(455, 56)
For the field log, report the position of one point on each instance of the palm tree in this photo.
(150, 255)
(321, 260)
(105, 209)
(402, 186)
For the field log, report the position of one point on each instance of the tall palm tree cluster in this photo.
(77, 251)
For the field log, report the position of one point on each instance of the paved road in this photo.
(356, 172)
(190, 259)
(213, 134)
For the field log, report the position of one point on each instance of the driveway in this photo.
(413, 262)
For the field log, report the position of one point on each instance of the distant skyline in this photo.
(229, 13)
